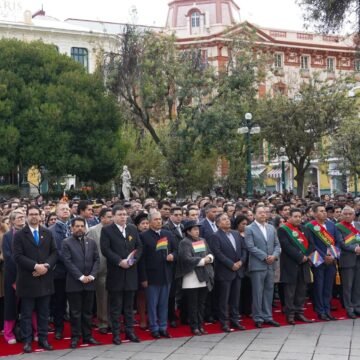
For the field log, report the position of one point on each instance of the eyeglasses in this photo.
(33, 214)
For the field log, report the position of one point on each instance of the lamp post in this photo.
(248, 129)
(283, 158)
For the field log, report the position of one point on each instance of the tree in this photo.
(346, 144)
(330, 15)
(54, 115)
(299, 124)
(163, 87)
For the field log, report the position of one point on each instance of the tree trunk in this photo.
(300, 178)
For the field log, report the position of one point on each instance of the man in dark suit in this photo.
(207, 229)
(174, 225)
(81, 259)
(264, 249)
(121, 246)
(60, 231)
(35, 256)
(156, 272)
(208, 225)
(230, 256)
(296, 247)
(326, 237)
(349, 261)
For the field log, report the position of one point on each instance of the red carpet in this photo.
(181, 331)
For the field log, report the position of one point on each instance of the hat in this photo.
(188, 224)
(140, 217)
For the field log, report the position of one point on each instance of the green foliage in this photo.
(9, 191)
(329, 15)
(346, 144)
(54, 114)
(300, 124)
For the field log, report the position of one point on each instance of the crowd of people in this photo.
(209, 260)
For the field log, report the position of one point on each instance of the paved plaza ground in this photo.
(336, 340)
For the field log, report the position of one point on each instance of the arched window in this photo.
(195, 19)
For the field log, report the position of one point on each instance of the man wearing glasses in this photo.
(35, 255)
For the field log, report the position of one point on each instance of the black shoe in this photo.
(103, 331)
(45, 345)
(237, 326)
(323, 317)
(58, 335)
(74, 343)
(258, 324)
(351, 315)
(173, 324)
(272, 322)
(290, 319)
(302, 318)
(155, 335)
(132, 337)
(27, 348)
(91, 341)
(116, 340)
(210, 319)
(203, 331)
(225, 328)
(196, 332)
(164, 333)
(331, 317)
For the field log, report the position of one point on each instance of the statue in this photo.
(126, 182)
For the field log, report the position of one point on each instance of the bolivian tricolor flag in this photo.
(199, 246)
(162, 244)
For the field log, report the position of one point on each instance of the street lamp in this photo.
(248, 129)
(283, 158)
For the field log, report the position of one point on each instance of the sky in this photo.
(281, 14)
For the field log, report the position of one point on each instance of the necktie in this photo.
(214, 227)
(232, 240)
(36, 237)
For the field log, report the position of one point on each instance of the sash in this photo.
(321, 233)
(298, 237)
(352, 235)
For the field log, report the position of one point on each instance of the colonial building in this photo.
(207, 24)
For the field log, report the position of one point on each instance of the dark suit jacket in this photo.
(319, 245)
(291, 257)
(153, 265)
(169, 225)
(59, 235)
(226, 255)
(26, 255)
(348, 256)
(115, 248)
(206, 230)
(78, 263)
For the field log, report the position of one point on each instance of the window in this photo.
(195, 19)
(304, 62)
(81, 55)
(330, 64)
(278, 61)
(357, 65)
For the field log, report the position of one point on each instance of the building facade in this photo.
(208, 24)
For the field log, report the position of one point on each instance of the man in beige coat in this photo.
(106, 218)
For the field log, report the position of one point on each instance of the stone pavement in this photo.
(335, 340)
